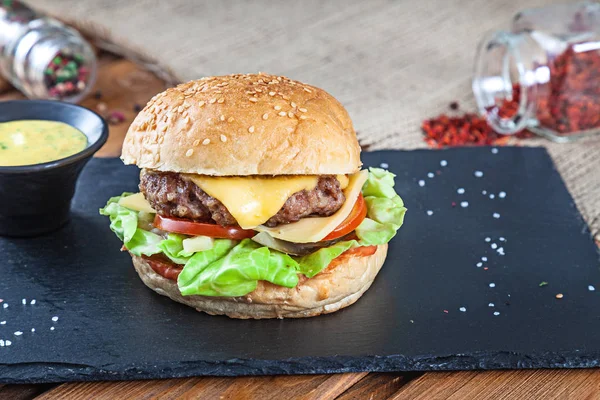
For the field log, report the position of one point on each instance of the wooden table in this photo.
(121, 87)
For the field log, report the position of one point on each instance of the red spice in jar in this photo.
(570, 101)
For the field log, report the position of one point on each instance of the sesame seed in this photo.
(157, 158)
(290, 114)
(558, 296)
(206, 141)
(253, 99)
(303, 117)
(230, 119)
(189, 152)
(277, 108)
(201, 104)
(196, 142)
(307, 90)
(271, 93)
(303, 110)
(187, 105)
(212, 101)
(222, 118)
(251, 129)
(293, 104)
(180, 108)
(265, 116)
(221, 100)
(282, 113)
(186, 120)
(223, 138)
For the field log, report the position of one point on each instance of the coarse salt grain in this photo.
(479, 264)
(502, 195)
(494, 246)
(500, 251)
(484, 259)
(1, 343)
(496, 215)
(421, 183)
(18, 333)
(55, 318)
(24, 301)
(430, 174)
(384, 165)
(189, 152)
(491, 305)
(3, 323)
(496, 313)
(492, 196)
(460, 191)
(32, 329)
(492, 284)
(494, 150)
(484, 192)
(488, 239)
(502, 239)
(5, 305)
(443, 163)
(206, 141)
(251, 129)
(51, 328)
(464, 204)
(478, 174)
(591, 288)
(223, 138)
(429, 212)
(463, 309)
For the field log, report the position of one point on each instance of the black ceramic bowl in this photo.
(36, 199)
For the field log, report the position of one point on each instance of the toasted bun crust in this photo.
(255, 124)
(329, 291)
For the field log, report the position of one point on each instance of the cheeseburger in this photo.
(252, 202)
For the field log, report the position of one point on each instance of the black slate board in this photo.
(110, 326)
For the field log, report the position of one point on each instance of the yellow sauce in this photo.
(27, 142)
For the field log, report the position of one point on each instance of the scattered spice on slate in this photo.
(116, 117)
(66, 75)
(454, 105)
(138, 108)
(559, 296)
(98, 94)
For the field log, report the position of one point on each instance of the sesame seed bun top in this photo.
(255, 124)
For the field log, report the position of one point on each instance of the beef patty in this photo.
(172, 196)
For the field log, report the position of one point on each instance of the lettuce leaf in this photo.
(235, 271)
(234, 268)
(124, 223)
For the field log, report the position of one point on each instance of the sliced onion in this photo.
(296, 249)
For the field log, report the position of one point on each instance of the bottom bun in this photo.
(336, 287)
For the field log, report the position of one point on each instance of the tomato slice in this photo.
(192, 228)
(356, 216)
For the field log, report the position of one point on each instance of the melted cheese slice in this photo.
(309, 230)
(253, 200)
(136, 202)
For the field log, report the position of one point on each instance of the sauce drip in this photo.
(27, 142)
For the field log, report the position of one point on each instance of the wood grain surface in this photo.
(121, 86)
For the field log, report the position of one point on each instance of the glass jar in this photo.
(42, 57)
(544, 74)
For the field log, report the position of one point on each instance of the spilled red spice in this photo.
(467, 129)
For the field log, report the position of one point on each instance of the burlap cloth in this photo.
(391, 63)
